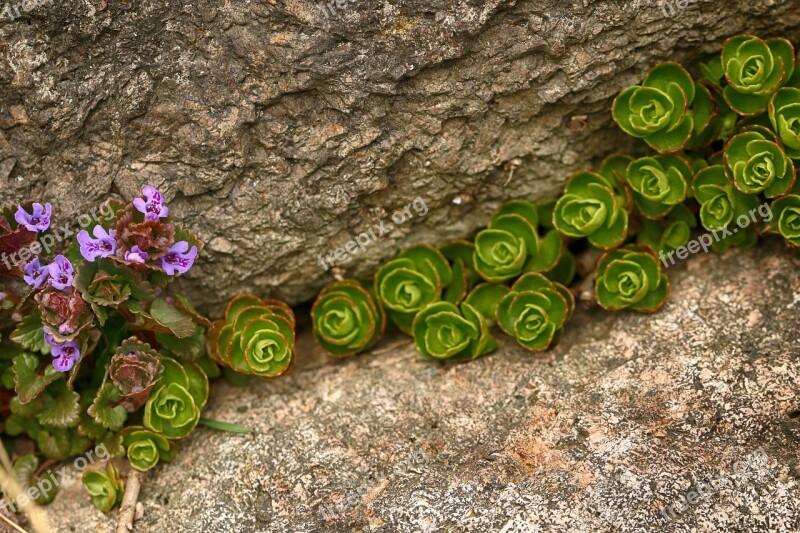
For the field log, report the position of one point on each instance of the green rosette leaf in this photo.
(404, 288)
(535, 311)
(443, 330)
(669, 233)
(502, 249)
(614, 169)
(406, 284)
(465, 252)
(105, 487)
(145, 448)
(173, 409)
(712, 72)
(657, 111)
(484, 299)
(758, 165)
(709, 117)
(256, 338)
(630, 278)
(754, 70)
(346, 319)
(523, 208)
(784, 114)
(720, 202)
(786, 218)
(589, 208)
(658, 183)
(551, 248)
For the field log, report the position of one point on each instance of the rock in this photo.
(621, 420)
(281, 130)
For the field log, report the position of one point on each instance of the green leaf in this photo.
(62, 410)
(105, 410)
(224, 426)
(30, 335)
(29, 382)
(169, 316)
(190, 348)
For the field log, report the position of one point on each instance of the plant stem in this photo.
(127, 511)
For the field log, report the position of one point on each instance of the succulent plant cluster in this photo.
(95, 349)
(723, 146)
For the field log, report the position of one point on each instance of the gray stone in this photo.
(623, 418)
(279, 133)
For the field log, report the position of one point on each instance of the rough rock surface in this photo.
(624, 417)
(279, 133)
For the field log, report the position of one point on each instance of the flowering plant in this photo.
(96, 344)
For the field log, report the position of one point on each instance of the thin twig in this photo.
(12, 524)
(127, 511)
(12, 489)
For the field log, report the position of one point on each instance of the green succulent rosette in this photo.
(786, 218)
(105, 487)
(589, 208)
(443, 330)
(614, 168)
(535, 311)
(461, 254)
(630, 277)
(511, 244)
(657, 111)
(346, 319)
(755, 69)
(658, 183)
(758, 165)
(784, 114)
(256, 338)
(173, 409)
(407, 284)
(720, 202)
(484, 299)
(145, 448)
(669, 233)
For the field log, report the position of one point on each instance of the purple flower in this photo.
(103, 245)
(35, 273)
(135, 255)
(2, 296)
(177, 260)
(61, 273)
(65, 355)
(153, 204)
(37, 221)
